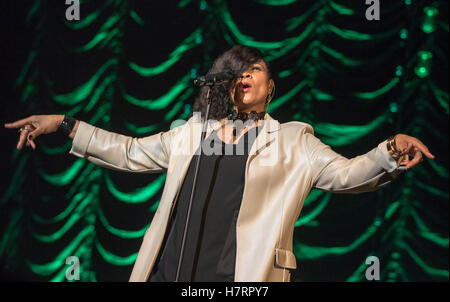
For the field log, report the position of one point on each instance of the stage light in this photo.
(429, 19)
(403, 33)
(378, 221)
(187, 109)
(198, 38)
(194, 73)
(393, 107)
(423, 66)
(399, 71)
(203, 5)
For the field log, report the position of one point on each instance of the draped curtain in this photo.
(128, 66)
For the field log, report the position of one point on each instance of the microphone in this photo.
(215, 78)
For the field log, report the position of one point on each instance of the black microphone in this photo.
(215, 78)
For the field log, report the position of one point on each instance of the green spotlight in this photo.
(203, 5)
(393, 107)
(403, 33)
(429, 19)
(423, 66)
(193, 73)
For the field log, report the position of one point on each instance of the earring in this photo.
(268, 103)
(269, 97)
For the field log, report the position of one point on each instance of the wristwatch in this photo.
(67, 125)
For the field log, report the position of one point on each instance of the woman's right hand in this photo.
(34, 126)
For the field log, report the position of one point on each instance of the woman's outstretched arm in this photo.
(107, 149)
(364, 173)
(124, 153)
(35, 125)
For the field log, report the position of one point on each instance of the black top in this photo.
(210, 250)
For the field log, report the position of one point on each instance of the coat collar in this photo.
(264, 138)
(270, 124)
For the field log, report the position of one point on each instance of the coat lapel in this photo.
(264, 138)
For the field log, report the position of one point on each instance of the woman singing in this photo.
(249, 191)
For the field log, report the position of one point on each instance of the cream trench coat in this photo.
(285, 162)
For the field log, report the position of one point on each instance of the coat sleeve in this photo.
(364, 173)
(123, 153)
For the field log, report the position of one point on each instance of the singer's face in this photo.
(249, 92)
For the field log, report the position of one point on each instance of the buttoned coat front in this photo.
(285, 162)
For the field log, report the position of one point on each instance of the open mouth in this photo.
(246, 86)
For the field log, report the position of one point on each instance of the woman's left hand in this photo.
(412, 147)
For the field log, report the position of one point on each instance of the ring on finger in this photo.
(23, 129)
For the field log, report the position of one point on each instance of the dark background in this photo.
(353, 80)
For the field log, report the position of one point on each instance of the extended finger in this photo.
(22, 139)
(19, 123)
(424, 149)
(32, 143)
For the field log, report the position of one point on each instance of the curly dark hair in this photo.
(237, 59)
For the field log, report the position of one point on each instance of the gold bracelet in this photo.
(392, 149)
